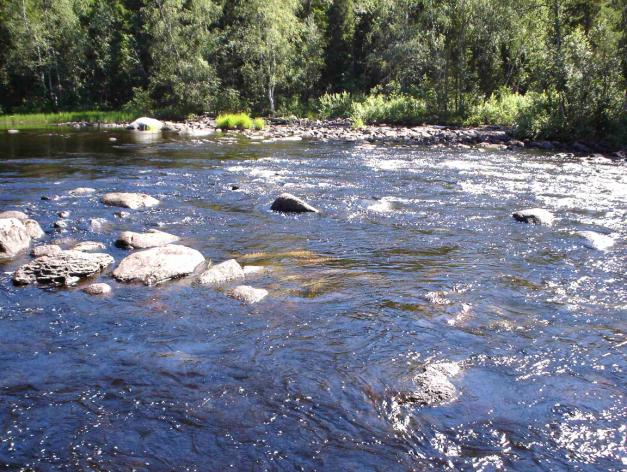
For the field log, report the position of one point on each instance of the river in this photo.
(180, 377)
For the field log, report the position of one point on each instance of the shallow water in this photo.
(180, 377)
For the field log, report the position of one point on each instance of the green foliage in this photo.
(239, 121)
(42, 120)
(393, 110)
(259, 124)
(335, 105)
(502, 108)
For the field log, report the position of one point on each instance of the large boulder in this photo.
(538, 216)
(14, 237)
(598, 241)
(288, 203)
(247, 294)
(64, 268)
(33, 229)
(158, 264)
(146, 124)
(221, 273)
(13, 214)
(151, 238)
(133, 201)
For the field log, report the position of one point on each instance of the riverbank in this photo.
(279, 129)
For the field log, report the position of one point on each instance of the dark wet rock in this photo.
(98, 289)
(288, 203)
(18, 215)
(134, 201)
(88, 246)
(63, 214)
(151, 238)
(82, 191)
(158, 264)
(221, 273)
(234, 187)
(61, 224)
(537, 216)
(14, 237)
(46, 250)
(597, 241)
(247, 294)
(62, 269)
(433, 386)
(45, 197)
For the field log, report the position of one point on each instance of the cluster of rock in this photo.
(158, 261)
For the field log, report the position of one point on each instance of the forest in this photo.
(552, 69)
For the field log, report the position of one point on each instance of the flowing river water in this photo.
(180, 377)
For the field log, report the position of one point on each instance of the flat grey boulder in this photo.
(247, 294)
(88, 246)
(433, 386)
(46, 250)
(14, 214)
(598, 241)
(14, 237)
(288, 203)
(221, 273)
(134, 201)
(63, 269)
(151, 238)
(98, 289)
(538, 216)
(158, 264)
(146, 124)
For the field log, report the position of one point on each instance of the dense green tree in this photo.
(339, 51)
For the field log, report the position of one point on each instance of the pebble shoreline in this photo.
(340, 130)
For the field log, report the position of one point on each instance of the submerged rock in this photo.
(223, 272)
(146, 124)
(98, 289)
(99, 225)
(288, 203)
(151, 238)
(158, 264)
(598, 241)
(538, 216)
(14, 237)
(134, 201)
(63, 214)
(64, 268)
(82, 191)
(46, 250)
(87, 246)
(433, 386)
(248, 294)
(61, 224)
(251, 270)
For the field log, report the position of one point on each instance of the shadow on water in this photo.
(413, 260)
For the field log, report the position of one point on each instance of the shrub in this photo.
(259, 124)
(357, 123)
(392, 109)
(238, 121)
(335, 105)
(502, 108)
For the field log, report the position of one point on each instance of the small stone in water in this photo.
(97, 289)
(63, 214)
(61, 224)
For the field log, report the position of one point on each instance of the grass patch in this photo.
(44, 120)
(239, 121)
